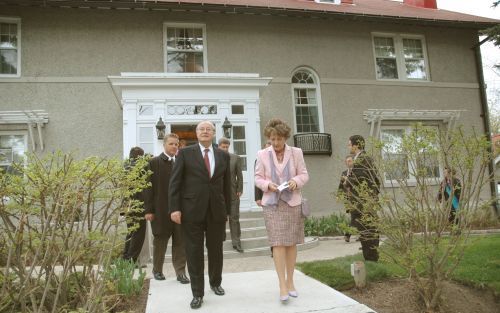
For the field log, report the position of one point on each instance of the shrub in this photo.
(412, 206)
(332, 225)
(59, 227)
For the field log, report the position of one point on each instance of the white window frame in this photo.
(187, 25)
(411, 181)
(233, 141)
(18, 133)
(319, 102)
(14, 20)
(400, 59)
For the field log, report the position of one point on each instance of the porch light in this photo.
(227, 127)
(160, 129)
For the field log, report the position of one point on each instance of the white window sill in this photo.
(412, 183)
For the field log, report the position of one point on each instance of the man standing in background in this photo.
(365, 189)
(236, 191)
(157, 212)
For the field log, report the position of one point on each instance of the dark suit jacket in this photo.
(236, 175)
(157, 194)
(364, 171)
(193, 193)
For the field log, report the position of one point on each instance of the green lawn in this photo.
(480, 267)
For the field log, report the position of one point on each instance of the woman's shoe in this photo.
(293, 294)
(284, 299)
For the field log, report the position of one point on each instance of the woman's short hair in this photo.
(135, 152)
(278, 127)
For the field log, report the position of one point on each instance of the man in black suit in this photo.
(200, 198)
(157, 212)
(365, 189)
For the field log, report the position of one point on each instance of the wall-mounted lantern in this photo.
(227, 127)
(160, 129)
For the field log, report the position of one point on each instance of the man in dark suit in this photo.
(157, 212)
(135, 220)
(200, 198)
(345, 194)
(366, 187)
(236, 191)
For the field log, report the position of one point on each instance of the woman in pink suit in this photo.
(276, 165)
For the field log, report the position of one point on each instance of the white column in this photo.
(129, 125)
(253, 145)
(160, 110)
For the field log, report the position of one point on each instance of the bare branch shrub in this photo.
(59, 227)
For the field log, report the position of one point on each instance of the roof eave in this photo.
(240, 9)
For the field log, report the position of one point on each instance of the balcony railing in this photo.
(314, 143)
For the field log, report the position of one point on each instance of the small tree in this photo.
(58, 230)
(420, 237)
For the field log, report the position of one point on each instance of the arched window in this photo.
(307, 101)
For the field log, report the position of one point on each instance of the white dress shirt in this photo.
(211, 157)
(170, 158)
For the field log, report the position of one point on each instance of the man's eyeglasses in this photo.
(208, 130)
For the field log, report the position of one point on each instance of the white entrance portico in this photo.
(183, 100)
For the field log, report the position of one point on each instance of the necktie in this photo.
(207, 162)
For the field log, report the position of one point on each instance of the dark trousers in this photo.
(234, 222)
(368, 236)
(134, 240)
(160, 243)
(194, 234)
(355, 216)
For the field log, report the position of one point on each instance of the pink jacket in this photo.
(297, 167)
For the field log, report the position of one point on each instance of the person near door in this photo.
(157, 212)
(236, 191)
(200, 199)
(281, 173)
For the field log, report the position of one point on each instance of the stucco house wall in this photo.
(67, 55)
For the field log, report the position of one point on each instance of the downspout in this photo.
(486, 118)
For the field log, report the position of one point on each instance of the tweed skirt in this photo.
(284, 224)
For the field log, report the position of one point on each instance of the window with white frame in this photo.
(185, 48)
(146, 139)
(239, 145)
(307, 102)
(13, 146)
(10, 54)
(401, 167)
(401, 57)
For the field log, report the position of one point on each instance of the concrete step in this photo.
(250, 222)
(249, 232)
(309, 242)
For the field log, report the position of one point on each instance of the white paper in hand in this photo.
(283, 186)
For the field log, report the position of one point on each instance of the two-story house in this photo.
(96, 76)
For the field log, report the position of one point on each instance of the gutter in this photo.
(225, 8)
(486, 120)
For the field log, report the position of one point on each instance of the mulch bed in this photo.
(399, 296)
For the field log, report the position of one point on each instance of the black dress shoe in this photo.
(196, 302)
(182, 278)
(238, 248)
(158, 276)
(218, 290)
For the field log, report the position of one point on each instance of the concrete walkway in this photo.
(251, 286)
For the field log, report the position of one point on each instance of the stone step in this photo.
(249, 232)
(309, 242)
(246, 243)
(249, 222)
